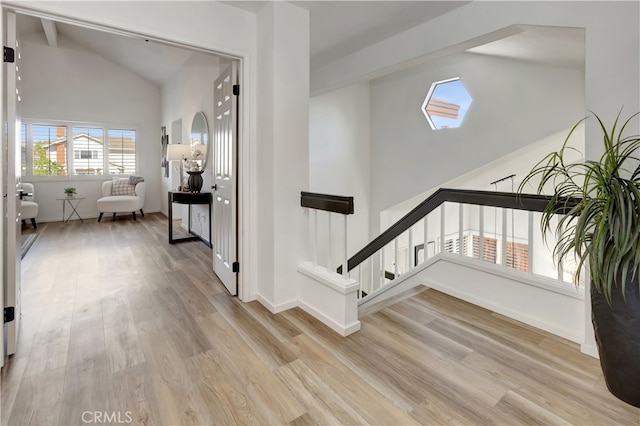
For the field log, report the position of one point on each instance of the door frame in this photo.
(246, 196)
(3, 172)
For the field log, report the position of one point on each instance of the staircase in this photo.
(480, 246)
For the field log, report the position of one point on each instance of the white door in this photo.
(12, 184)
(225, 216)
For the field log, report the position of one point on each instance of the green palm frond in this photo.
(603, 228)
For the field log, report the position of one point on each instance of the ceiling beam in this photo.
(50, 31)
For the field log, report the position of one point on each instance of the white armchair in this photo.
(28, 207)
(119, 196)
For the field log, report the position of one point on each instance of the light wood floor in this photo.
(116, 321)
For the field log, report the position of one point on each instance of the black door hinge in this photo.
(235, 267)
(236, 89)
(9, 54)
(9, 314)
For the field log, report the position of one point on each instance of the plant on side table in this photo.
(70, 191)
(602, 230)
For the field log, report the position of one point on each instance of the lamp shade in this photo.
(178, 151)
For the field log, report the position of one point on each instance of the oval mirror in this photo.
(200, 139)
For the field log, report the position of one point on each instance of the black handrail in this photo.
(509, 200)
(330, 203)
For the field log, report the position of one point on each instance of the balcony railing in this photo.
(496, 228)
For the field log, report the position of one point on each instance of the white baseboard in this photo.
(590, 350)
(273, 308)
(343, 331)
(503, 310)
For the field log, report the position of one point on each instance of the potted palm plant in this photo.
(602, 230)
(70, 191)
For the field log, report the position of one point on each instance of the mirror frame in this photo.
(199, 134)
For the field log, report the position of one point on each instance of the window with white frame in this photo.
(122, 152)
(47, 151)
(86, 143)
(446, 104)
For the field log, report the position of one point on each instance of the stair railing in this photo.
(399, 249)
(333, 205)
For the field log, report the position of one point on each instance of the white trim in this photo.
(274, 309)
(332, 280)
(522, 277)
(517, 315)
(589, 349)
(343, 331)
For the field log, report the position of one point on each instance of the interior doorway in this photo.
(26, 19)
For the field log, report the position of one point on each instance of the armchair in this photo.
(120, 195)
(28, 207)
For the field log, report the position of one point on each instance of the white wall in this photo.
(283, 166)
(515, 103)
(339, 154)
(190, 90)
(612, 58)
(71, 83)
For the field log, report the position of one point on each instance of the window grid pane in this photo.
(49, 150)
(87, 142)
(122, 152)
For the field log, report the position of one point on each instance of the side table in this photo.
(189, 198)
(70, 200)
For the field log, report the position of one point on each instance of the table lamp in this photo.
(178, 152)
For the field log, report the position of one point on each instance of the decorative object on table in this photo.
(195, 180)
(199, 140)
(164, 141)
(179, 152)
(600, 200)
(70, 191)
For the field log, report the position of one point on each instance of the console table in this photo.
(189, 198)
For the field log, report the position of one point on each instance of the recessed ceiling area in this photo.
(559, 46)
(339, 28)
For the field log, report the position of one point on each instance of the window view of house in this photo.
(49, 150)
(46, 151)
(122, 152)
(87, 143)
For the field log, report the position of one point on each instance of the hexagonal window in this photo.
(446, 104)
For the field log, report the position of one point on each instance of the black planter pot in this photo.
(617, 331)
(195, 181)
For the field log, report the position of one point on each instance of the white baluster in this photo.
(530, 242)
(371, 275)
(314, 238)
(481, 234)
(426, 238)
(504, 238)
(329, 242)
(442, 225)
(460, 229)
(395, 258)
(411, 251)
(345, 271)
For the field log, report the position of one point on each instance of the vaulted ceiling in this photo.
(337, 28)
